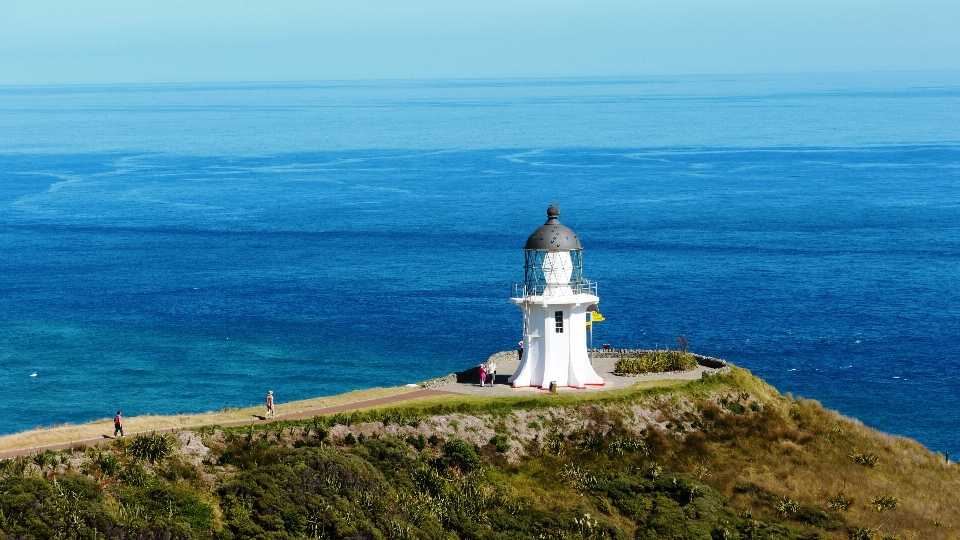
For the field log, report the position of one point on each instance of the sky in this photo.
(169, 41)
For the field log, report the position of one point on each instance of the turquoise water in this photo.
(185, 248)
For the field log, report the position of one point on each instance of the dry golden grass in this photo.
(806, 457)
(99, 428)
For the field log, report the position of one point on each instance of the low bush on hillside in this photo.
(152, 447)
(867, 460)
(656, 362)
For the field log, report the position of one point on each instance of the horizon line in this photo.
(367, 80)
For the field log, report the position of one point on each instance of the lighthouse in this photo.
(555, 299)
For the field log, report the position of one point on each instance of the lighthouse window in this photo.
(558, 316)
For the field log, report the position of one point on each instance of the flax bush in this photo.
(867, 460)
(656, 362)
(152, 447)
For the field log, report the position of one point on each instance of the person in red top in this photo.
(270, 412)
(118, 424)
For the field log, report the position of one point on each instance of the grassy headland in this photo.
(723, 457)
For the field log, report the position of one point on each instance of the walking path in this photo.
(386, 400)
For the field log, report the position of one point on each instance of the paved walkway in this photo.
(291, 416)
(603, 367)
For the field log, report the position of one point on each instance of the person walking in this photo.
(117, 425)
(492, 373)
(483, 374)
(271, 413)
(520, 350)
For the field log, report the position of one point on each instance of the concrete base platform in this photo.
(603, 367)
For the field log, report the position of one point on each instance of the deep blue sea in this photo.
(184, 248)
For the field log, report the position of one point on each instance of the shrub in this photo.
(151, 447)
(580, 479)
(884, 502)
(459, 454)
(623, 446)
(501, 443)
(42, 459)
(860, 533)
(867, 460)
(749, 527)
(819, 517)
(321, 433)
(594, 443)
(343, 419)
(134, 476)
(656, 362)
(108, 463)
(839, 502)
(417, 442)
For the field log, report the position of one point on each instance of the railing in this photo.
(580, 286)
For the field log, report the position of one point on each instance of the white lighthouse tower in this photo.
(554, 298)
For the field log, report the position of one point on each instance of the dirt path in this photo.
(386, 400)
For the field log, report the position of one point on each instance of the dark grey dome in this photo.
(552, 235)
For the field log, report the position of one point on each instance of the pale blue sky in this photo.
(64, 41)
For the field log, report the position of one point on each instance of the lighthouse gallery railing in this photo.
(580, 286)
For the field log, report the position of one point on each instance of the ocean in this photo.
(185, 248)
